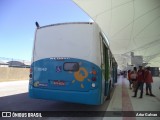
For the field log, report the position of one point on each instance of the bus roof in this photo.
(66, 24)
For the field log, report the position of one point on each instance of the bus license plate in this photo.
(58, 82)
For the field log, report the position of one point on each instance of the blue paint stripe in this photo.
(45, 74)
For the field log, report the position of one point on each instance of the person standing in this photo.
(129, 79)
(148, 81)
(140, 82)
(133, 77)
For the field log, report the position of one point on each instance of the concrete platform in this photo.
(13, 95)
(13, 87)
(122, 100)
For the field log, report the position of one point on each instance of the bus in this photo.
(72, 62)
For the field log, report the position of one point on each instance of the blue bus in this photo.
(72, 62)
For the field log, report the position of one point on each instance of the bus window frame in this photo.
(71, 70)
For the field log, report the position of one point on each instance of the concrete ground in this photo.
(14, 87)
(14, 96)
(122, 100)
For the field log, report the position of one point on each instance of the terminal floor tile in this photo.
(122, 100)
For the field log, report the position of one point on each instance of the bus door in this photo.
(104, 66)
(106, 70)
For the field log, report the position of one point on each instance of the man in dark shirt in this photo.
(140, 82)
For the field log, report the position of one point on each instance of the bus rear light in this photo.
(30, 75)
(93, 78)
(94, 72)
(93, 85)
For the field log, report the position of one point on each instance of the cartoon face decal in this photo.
(81, 74)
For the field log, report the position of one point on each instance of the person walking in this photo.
(148, 81)
(133, 78)
(140, 82)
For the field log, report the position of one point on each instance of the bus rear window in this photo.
(71, 66)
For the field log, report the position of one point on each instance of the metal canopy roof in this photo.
(130, 25)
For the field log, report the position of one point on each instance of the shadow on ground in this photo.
(22, 102)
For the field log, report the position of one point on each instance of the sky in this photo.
(17, 23)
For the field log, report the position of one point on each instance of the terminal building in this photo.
(133, 30)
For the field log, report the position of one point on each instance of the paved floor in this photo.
(122, 100)
(13, 88)
(14, 96)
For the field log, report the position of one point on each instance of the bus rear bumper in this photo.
(92, 97)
